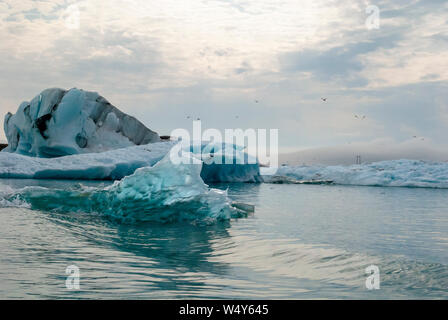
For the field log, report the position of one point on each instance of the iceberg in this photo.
(395, 173)
(77, 134)
(165, 192)
(61, 122)
(224, 162)
(116, 164)
(108, 165)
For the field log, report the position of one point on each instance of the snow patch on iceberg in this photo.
(166, 192)
(396, 173)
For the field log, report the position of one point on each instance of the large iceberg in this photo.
(77, 134)
(61, 122)
(116, 164)
(166, 192)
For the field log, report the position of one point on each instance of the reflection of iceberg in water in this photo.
(164, 193)
(134, 261)
(185, 250)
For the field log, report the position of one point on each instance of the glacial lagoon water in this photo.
(302, 242)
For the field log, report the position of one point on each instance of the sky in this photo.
(242, 64)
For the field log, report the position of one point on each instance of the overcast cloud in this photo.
(163, 60)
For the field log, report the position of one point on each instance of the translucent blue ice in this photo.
(224, 162)
(166, 192)
(61, 122)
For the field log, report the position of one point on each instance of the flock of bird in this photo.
(360, 117)
(356, 116)
(323, 99)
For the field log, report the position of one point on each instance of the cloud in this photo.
(211, 59)
(340, 63)
(373, 151)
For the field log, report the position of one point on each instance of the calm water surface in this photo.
(303, 241)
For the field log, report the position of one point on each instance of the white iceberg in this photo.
(395, 173)
(58, 122)
(116, 164)
(108, 165)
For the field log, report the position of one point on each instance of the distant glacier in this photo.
(394, 173)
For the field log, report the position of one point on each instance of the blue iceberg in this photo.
(77, 134)
(224, 162)
(61, 122)
(118, 163)
(164, 193)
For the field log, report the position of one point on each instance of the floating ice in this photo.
(77, 134)
(225, 162)
(166, 192)
(109, 165)
(116, 164)
(59, 122)
(396, 173)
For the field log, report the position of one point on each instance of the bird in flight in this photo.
(359, 117)
(324, 99)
